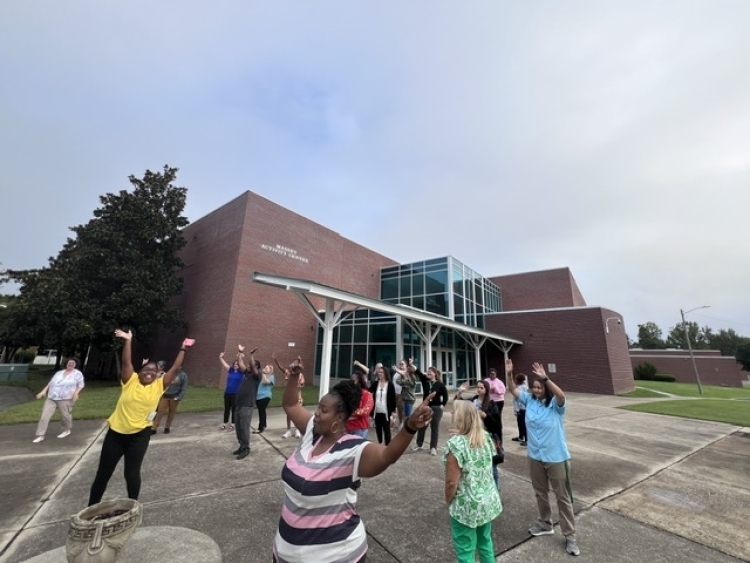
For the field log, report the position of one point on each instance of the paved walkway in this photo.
(648, 488)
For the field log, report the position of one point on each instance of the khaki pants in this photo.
(65, 407)
(557, 477)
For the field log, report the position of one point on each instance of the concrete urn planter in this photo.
(97, 533)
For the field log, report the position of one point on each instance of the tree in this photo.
(726, 340)
(120, 270)
(698, 337)
(743, 355)
(649, 337)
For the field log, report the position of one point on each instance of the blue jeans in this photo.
(408, 407)
(361, 433)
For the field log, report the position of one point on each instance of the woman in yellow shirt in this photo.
(130, 424)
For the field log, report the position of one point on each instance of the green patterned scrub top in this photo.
(477, 500)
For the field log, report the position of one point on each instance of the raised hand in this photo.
(221, 355)
(508, 366)
(188, 342)
(124, 335)
(240, 348)
(538, 369)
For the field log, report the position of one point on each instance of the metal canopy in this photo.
(338, 302)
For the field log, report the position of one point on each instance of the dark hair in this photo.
(257, 364)
(519, 378)
(361, 379)
(348, 394)
(76, 360)
(547, 393)
(486, 401)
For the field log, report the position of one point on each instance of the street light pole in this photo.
(690, 348)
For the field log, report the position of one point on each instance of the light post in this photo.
(606, 322)
(690, 348)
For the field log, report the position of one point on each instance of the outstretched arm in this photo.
(126, 370)
(538, 369)
(510, 382)
(362, 366)
(224, 364)
(177, 364)
(298, 414)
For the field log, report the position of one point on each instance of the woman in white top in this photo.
(62, 392)
(384, 395)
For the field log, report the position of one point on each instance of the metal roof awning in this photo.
(339, 302)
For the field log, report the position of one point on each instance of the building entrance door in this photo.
(442, 358)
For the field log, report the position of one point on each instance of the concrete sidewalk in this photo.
(648, 488)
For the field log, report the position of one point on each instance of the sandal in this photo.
(222, 427)
(231, 427)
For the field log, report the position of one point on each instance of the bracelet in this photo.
(408, 429)
(183, 349)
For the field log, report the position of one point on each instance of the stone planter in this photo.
(97, 533)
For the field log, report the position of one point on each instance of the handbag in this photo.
(499, 456)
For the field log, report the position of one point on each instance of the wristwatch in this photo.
(545, 379)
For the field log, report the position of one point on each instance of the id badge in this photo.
(151, 416)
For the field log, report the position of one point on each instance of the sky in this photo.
(612, 138)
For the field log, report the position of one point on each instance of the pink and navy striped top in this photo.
(319, 520)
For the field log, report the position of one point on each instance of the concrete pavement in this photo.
(647, 487)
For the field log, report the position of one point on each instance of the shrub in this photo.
(24, 357)
(644, 371)
(662, 377)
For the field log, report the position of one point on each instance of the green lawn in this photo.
(719, 404)
(97, 400)
(717, 410)
(642, 394)
(691, 390)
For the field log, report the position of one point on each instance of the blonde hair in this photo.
(466, 421)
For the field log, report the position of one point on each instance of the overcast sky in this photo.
(609, 137)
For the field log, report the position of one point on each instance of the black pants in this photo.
(437, 414)
(262, 404)
(229, 399)
(130, 446)
(521, 421)
(383, 426)
(500, 405)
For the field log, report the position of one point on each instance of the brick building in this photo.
(713, 368)
(585, 346)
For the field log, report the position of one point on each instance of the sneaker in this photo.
(223, 427)
(166, 430)
(433, 451)
(258, 431)
(537, 530)
(38, 439)
(416, 448)
(571, 546)
(297, 434)
(243, 453)
(230, 427)
(64, 434)
(522, 443)
(287, 434)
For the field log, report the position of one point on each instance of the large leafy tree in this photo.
(650, 337)
(699, 337)
(726, 340)
(119, 270)
(743, 355)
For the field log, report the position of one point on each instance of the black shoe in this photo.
(153, 431)
(517, 439)
(522, 443)
(166, 430)
(243, 454)
(258, 431)
(238, 450)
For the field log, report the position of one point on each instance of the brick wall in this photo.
(713, 368)
(587, 358)
(539, 290)
(223, 306)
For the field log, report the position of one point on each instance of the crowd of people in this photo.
(323, 474)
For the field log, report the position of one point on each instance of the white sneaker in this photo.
(38, 439)
(416, 448)
(433, 451)
(64, 434)
(297, 434)
(287, 434)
